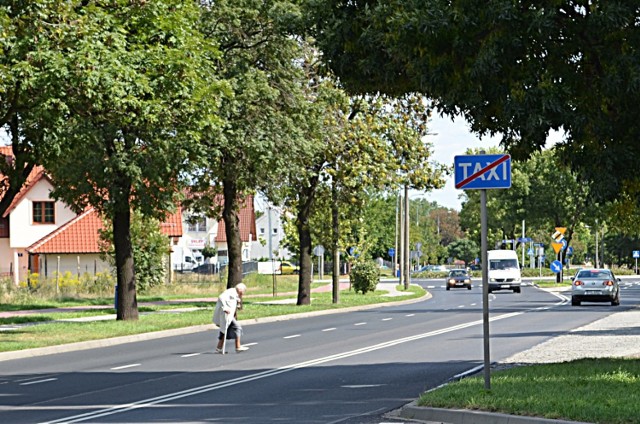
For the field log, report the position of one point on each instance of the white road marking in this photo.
(190, 355)
(361, 386)
(360, 323)
(329, 329)
(387, 319)
(38, 381)
(292, 337)
(410, 315)
(249, 344)
(125, 366)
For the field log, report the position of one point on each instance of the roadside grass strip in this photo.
(602, 390)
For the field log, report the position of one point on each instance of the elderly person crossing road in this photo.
(225, 317)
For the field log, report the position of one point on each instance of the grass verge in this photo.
(56, 333)
(603, 390)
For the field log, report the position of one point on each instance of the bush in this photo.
(364, 277)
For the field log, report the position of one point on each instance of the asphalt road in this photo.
(341, 368)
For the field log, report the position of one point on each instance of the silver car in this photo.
(595, 285)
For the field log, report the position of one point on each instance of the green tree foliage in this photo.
(150, 250)
(259, 119)
(134, 96)
(27, 37)
(464, 249)
(512, 68)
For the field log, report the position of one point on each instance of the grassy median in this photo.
(259, 302)
(603, 390)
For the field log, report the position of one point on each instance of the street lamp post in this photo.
(597, 257)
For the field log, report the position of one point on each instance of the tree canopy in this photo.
(515, 68)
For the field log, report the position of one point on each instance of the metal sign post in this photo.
(485, 288)
(483, 172)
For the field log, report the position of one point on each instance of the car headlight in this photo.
(493, 280)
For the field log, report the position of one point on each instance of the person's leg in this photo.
(221, 336)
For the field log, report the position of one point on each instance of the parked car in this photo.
(288, 268)
(595, 285)
(458, 278)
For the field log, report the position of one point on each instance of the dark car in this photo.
(595, 285)
(458, 278)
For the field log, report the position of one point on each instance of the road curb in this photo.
(467, 416)
(113, 341)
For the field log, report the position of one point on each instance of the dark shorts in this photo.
(233, 332)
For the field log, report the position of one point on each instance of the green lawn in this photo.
(604, 391)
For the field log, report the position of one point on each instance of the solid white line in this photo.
(38, 381)
(329, 329)
(292, 337)
(125, 366)
(93, 415)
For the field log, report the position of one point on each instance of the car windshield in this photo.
(503, 264)
(458, 273)
(595, 273)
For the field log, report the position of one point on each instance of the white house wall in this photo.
(21, 228)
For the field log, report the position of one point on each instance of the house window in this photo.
(44, 213)
(275, 231)
(197, 223)
(261, 230)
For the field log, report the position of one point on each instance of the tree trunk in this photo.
(232, 229)
(335, 240)
(127, 301)
(304, 278)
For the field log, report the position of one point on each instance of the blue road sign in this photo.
(636, 253)
(524, 239)
(556, 266)
(570, 250)
(391, 252)
(482, 171)
(530, 252)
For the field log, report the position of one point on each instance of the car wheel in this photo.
(575, 302)
(516, 290)
(448, 288)
(616, 301)
(469, 287)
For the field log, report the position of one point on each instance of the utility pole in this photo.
(407, 251)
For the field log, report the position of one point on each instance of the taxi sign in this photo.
(482, 171)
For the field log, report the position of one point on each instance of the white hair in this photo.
(241, 287)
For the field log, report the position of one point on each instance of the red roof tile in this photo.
(81, 234)
(247, 222)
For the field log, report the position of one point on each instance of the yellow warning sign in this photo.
(557, 247)
(561, 230)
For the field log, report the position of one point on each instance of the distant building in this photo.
(270, 236)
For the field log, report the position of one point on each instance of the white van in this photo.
(504, 270)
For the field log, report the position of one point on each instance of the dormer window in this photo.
(44, 213)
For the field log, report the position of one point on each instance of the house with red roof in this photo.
(41, 235)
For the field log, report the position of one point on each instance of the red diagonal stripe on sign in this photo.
(482, 171)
